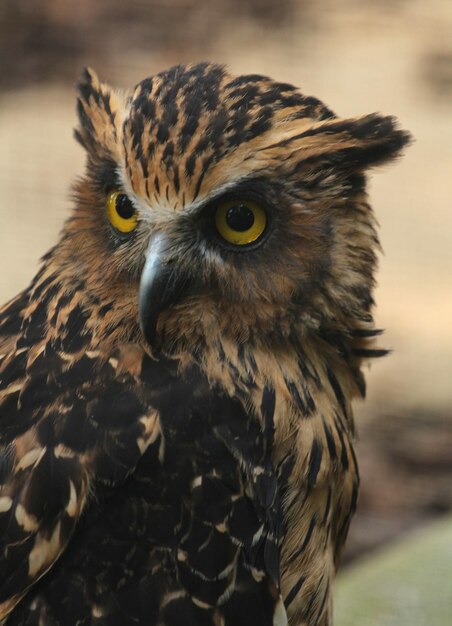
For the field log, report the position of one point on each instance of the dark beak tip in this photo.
(162, 285)
(148, 318)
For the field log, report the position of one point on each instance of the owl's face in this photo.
(221, 206)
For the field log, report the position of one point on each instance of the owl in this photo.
(176, 428)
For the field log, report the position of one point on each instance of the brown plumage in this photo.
(176, 383)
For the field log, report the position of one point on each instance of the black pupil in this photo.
(240, 217)
(124, 207)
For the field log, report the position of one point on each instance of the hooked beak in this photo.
(162, 285)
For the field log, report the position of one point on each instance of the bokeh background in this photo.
(358, 56)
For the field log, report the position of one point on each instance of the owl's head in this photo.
(222, 206)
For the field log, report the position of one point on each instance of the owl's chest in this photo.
(190, 478)
(188, 521)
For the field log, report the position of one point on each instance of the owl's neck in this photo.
(299, 373)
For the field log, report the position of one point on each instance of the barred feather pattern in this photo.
(169, 482)
(180, 511)
(209, 479)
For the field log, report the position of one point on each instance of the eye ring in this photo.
(240, 222)
(121, 213)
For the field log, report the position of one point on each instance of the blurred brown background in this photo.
(393, 56)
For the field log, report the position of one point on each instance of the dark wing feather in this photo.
(66, 420)
(185, 532)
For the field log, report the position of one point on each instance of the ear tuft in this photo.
(376, 139)
(347, 144)
(88, 84)
(97, 108)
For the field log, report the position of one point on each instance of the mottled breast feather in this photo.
(168, 480)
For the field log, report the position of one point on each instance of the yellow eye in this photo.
(240, 222)
(121, 212)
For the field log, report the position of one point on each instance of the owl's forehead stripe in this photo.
(184, 120)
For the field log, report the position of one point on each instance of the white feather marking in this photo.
(181, 555)
(196, 482)
(113, 362)
(44, 552)
(151, 431)
(200, 603)
(32, 457)
(170, 597)
(97, 611)
(12, 389)
(279, 614)
(62, 451)
(5, 504)
(72, 507)
(257, 535)
(24, 519)
(92, 354)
